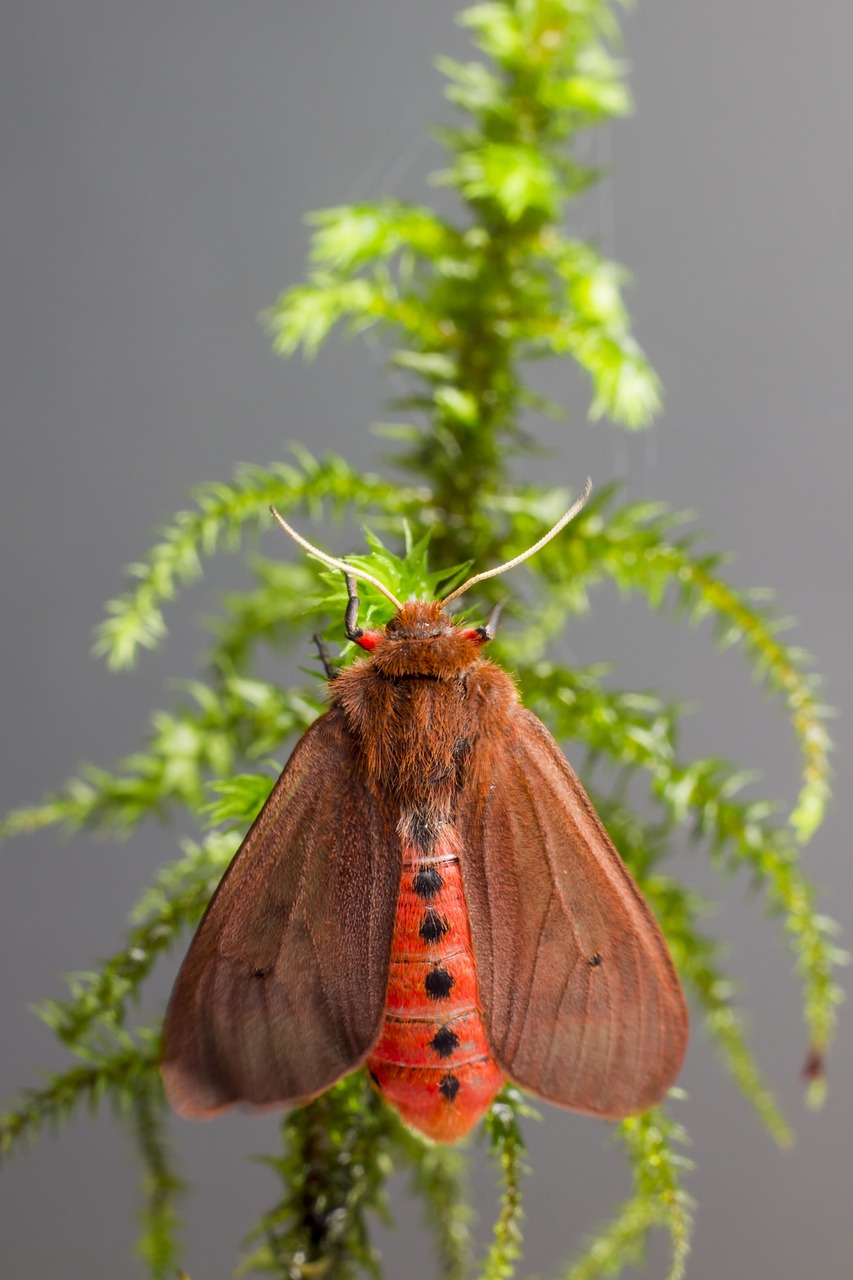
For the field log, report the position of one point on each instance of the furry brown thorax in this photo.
(416, 703)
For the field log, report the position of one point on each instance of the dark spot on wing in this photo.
(594, 961)
(260, 972)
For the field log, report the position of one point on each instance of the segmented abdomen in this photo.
(432, 1062)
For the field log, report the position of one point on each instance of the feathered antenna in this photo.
(531, 551)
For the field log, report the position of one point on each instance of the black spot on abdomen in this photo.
(438, 983)
(433, 926)
(444, 1042)
(449, 1087)
(427, 883)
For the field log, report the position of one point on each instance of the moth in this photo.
(427, 892)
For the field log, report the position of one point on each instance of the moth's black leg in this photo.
(489, 631)
(332, 672)
(353, 630)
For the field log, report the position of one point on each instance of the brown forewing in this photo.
(581, 1002)
(283, 989)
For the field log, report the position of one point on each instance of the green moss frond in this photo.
(463, 305)
(96, 1013)
(438, 1178)
(658, 1200)
(335, 1163)
(355, 235)
(277, 611)
(238, 719)
(507, 1147)
(680, 912)
(116, 1076)
(633, 546)
(162, 1189)
(224, 512)
(696, 957)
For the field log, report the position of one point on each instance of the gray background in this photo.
(157, 161)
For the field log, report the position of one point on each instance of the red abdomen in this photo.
(432, 1062)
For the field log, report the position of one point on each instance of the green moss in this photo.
(462, 306)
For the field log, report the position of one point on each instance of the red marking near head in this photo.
(369, 640)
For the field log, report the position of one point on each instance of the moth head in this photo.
(421, 639)
(419, 620)
(422, 623)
